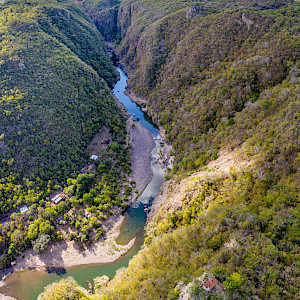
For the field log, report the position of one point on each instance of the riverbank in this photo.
(139, 101)
(64, 254)
(67, 253)
(166, 158)
(142, 144)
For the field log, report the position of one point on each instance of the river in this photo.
(28, 284)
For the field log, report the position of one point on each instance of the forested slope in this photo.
(55, 75)
(221, 76)
(52, 101)
(223, 79)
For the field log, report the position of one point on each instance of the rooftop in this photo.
(58, 198)
(208, 281)
(210, 284)
(24, 209)
(87, 214)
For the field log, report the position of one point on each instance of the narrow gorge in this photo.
(220, 79)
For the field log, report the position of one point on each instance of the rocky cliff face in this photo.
(105, 16)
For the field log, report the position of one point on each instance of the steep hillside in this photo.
(197, 73)
(226, 221)
(198, 64)
(55, 75)
(52, 101)
(105, 16)
(223, 79)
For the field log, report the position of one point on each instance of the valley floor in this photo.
(142, 144)
(67, 253)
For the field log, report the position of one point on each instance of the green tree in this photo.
(41, 243)
(17, 237)
(233, 282)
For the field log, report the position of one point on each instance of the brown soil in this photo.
(174, 193)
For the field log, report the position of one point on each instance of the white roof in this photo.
(57, 199)
(23, 209)
(54, 198)
(87, 214)
(94, 157)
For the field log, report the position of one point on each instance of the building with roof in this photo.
(94, 157)
(24, 209)
(88, 167)
(87, 214)
(84, 169)
(208, 282)
(58, 198)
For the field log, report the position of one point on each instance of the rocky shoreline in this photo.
(142, 144)
(166, 158)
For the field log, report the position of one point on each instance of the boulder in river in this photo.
(100, 282)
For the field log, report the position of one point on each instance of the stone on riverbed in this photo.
(100, 282)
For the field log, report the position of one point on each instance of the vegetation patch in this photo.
(55, 76)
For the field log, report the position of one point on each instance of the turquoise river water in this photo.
(28, 284)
